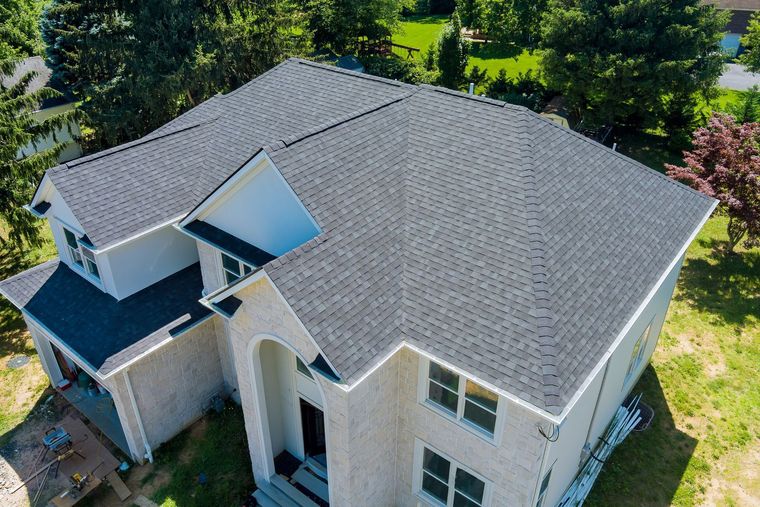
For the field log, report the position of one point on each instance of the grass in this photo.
(704, 445)
(216, 447)
(21, 388)
(421, 31)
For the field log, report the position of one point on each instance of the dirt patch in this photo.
(738, 482)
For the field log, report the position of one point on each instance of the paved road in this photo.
(736, 78)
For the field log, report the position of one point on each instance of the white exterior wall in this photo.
(146, 260)
(609, 389)
(264, 211)
(211, 267)
(64, 135)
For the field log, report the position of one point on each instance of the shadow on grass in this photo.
(725, 285)
(428, 19)
(649, 149)
(648, 467)
(490, 51)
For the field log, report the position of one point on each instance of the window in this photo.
(302, 368)
(448, 483)
(73, 246)
(233, 268)
(462, 398)
(637, 356)
(80, 255)
(544, 487)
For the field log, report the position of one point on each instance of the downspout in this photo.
(596, 405)
(148, 452)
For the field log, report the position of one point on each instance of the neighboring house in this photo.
(49, 107)
(741, 12)
(404, 287)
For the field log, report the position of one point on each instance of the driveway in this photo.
(736, 77)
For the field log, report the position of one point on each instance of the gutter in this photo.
(148, 452)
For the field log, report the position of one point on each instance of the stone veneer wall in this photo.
(512, 467)
(371, 428)
(210, 269)
(173, 385)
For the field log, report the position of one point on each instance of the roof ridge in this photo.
(33, 269)
(537, 254)
(370, 77)
(137, 142)
(477, 98)
(291, 140)
(619, 155)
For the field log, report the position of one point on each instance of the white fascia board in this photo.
(623, 332)
(154, 348)
(140, 234)
(40, 190)
(215, 198)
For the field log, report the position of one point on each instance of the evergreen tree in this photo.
(19, 175)
(135, 65)
(623, 60)
(751, 42)
(453, 53)
(19, 30)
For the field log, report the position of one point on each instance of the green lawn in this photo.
(421, 31)
(704, 444)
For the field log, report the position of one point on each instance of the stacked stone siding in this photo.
(371, 429)
(173, 385)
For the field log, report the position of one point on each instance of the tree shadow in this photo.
(490, 51)
(725, 285)
(427, 19)
(649, 466)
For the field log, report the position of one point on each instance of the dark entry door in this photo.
(313, 426)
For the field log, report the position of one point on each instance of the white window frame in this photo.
(242, 266)
(637, 354)
(84, 254)
(458, 417)
(547, 479)
(454, 465)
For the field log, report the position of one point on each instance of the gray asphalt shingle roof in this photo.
(475, 230)
(123, 191)
(103, 331)
(480, 232)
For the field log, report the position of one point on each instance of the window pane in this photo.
(436, 465)
(444, 376)
(469, 485)
(481, 395)
(71, 239)
(461, 501)
(302, 368)
(443, 397)
(479, 416)
(93, 268)
(231, 264)
(230, 277)
(246, 269)
(76, 256)
(434, 487)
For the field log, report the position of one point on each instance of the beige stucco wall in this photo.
(371, 428)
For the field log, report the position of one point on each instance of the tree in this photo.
(453, 52)
(477, 77)
(725, 164)
(747, 108)
(471, 12)
(19, 175)
(136, 65)
(512, 21)
(338, 24)
(622, 60)
(751, 42)
(19, 31)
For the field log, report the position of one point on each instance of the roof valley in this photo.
(537, 246)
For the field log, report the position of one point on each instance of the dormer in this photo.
(252, 218)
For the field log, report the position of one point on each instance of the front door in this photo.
(313, 427)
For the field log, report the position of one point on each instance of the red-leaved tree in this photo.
(724, 163)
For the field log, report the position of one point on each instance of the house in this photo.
(741, 12)
(419, 297)
(49, 107)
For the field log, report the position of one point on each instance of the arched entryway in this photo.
(290, 415)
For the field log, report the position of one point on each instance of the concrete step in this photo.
(316, 467)
(312, 483)
(294, 496)
(263, 499)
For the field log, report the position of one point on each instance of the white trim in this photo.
(133, 401)
(40, 189)
(419, 447)
(253, 358)
(458, 418)
(623, 332)
(138, 235)
(155, 347)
